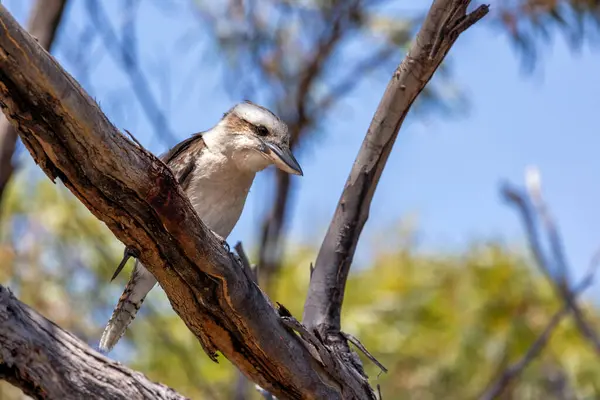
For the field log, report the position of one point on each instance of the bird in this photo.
(216, 169)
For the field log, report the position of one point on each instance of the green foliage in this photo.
(444, 324)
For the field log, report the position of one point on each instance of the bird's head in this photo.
(257, 138)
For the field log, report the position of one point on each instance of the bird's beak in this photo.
(283, 159)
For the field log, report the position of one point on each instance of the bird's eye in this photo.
(262, 130)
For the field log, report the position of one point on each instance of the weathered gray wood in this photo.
(445, 21)
(47, 362)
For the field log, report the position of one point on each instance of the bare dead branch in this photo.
(47, 362)
(43, 23)
(558, 259)
(252, 273)
(326, 291)
(518, 199)
(513, 371)
(555, 262)
(138, 198)
(352, 339)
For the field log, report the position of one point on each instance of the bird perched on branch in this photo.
(216, 169)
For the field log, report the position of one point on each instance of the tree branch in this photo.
(138, 198)
(46, 362)
(326, 292)
(519, 200)
(555, 262)
(43, 23)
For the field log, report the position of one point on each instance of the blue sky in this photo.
(443, 172)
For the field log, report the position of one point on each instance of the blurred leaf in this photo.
(531, 24)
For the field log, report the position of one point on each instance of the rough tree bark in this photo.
(137, 197)
(43, 23)
(445, 21)
(48, 362)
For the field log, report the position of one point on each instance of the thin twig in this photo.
(545, 263)
(513, 371)
(534, 189)
(519, 200)
(239, 248)
(352, 339)
(134, 139)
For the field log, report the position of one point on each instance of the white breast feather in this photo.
(218, 192)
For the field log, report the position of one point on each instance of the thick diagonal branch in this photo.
(138, 198)
(444, 22)
(47, 362)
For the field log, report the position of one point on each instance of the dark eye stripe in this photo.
(261, 130)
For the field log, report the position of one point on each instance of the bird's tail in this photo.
(140, 283)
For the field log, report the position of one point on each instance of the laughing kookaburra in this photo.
(216, 169)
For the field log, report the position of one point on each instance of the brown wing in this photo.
(181, 158)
